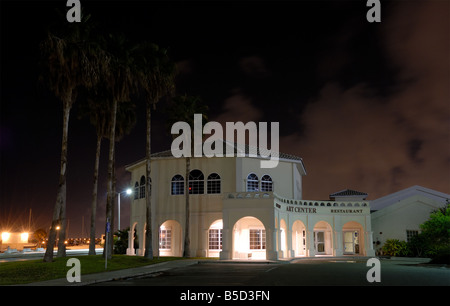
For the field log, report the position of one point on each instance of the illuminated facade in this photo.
(13, 240)
(241, 211)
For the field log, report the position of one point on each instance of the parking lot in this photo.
(304, 272)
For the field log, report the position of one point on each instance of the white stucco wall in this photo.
(394, 220)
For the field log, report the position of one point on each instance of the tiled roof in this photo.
(241, 148)
(237, 148)
(348, 192)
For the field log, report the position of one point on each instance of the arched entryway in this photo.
(353, 238)
(322, 238)
(170, 239)
(299, 238)
(133, 240)
(249, 239)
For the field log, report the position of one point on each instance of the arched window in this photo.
(142, 188)
(213, 183)
(252, 182)
(177, 185)
(136, 191)
(266, 183)
(196, 182)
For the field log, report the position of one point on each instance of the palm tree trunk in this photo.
(110, 197)
(59, 216)
(148, 199)
(187, 240)
(94, 196)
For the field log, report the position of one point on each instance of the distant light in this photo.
(129, 191)
(5, 236)
(24, 237)
(57, 228)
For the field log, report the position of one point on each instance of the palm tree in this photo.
(156, 75)
(68, 60)
(97, 110)
(120, 84)
(183, 109)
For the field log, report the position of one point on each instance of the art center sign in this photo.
(323, 210)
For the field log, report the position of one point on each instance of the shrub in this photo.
(442, 256)
(395, 247)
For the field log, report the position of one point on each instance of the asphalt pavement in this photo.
(294, 272)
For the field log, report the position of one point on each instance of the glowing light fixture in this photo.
(24, 237)
(5, 236)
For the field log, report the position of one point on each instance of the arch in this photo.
(177, 185)
(213, 184)
(298, 238)
(133, 240)
(196, 182)
(323, 238)
(252, 182)
(249, 239)
(215, 238)
(266, 183)
(170, 239)
(353, 238)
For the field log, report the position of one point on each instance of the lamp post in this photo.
(128, 192)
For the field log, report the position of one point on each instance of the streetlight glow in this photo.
(129, 191)
(24, 237)
(5, 236)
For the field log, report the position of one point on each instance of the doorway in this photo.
(351, 242)
(319, 242)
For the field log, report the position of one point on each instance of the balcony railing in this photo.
(273, 195)
(250, 195)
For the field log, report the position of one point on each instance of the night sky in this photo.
(366, 105)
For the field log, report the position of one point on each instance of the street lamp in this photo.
(128, 192)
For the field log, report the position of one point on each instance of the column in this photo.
(130, 249)
(338, 246)
(368, 244)
(203, 243)
(310, 249)
(278, 242)
(141, 250)
(271, 238)
(290, 250)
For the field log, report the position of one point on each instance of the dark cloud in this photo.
(356, 138)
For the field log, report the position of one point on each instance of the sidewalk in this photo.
(119, 274)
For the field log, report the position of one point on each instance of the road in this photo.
(38, 255)
(300, 273)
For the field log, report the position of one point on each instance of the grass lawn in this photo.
(22, 272)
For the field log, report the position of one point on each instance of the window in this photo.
(165, 238)
(196, 182)
(257, 239)
(142, 188)
(266, 183)
(410, 234)
(136, 191)
(213, 184)
(177, 185)
(252, 182)
(215, 239)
